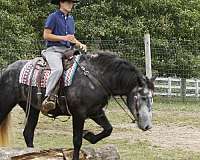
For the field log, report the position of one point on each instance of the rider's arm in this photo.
(47, 35)
(80, 45)
(77, 43)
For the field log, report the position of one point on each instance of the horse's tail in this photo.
(5, 131)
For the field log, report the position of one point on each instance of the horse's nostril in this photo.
(147, 127)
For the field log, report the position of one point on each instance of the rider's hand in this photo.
(83, 47)
(70, 38)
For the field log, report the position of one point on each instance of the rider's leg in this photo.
(55, 63)
(54, 60)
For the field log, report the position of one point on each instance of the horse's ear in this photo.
(153, 78)
(150, 82)
(141, 81)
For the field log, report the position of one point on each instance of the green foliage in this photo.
(166, 20)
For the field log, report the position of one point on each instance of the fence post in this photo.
(147, 43)
(169, 86)
(183, 88)
(197, 88)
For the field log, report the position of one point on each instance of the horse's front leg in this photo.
(78, 124)
(101, 120)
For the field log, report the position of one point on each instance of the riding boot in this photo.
(49, 102)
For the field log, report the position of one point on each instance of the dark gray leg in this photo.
(101, 120)
(78, 124)
(3, 116)
(30, 125)
(8, 97)
(6, 110)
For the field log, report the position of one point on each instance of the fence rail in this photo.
(175, 87)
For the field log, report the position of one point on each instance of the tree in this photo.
(169, 22)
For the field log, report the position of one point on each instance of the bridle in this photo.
(92, 78)
(137, 100)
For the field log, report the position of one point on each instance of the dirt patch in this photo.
(173, 136)
(170, 135)
(166, 136)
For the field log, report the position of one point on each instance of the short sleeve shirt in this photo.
(61, 25)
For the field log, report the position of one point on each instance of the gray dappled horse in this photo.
(86, 97)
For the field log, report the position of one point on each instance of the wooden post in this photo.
(169, 86)
(183, 88)
(147, 43)
(197, 88)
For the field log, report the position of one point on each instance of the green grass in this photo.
(52, 134)
(138, 150)
(170, 105)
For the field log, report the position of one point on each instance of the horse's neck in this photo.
(116, 74)
(110, 81)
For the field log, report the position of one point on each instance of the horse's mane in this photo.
(127, 73)
(110, 60)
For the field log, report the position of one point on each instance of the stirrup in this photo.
(49, 104)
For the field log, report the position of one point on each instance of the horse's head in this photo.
(140, 102)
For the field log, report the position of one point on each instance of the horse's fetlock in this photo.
(108, 131)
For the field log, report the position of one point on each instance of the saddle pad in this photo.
(26, 74)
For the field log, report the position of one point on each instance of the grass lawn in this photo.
(132, 143)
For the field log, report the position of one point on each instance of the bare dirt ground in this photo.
(165, 135)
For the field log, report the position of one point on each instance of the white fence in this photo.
(170, 86)
(174, 87)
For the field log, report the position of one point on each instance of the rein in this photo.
(29, 97)
(108, 90)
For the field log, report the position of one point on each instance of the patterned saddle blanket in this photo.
(30, 72)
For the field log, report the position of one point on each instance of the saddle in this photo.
(66, 59)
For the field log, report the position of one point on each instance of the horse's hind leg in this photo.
(3, 116)
(30, 125)
(101, 120)
(8, 106)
